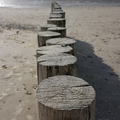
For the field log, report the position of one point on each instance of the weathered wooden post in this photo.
(61, 22)
(60, 30)
(45, 35)
(55, 7)
(53, 49)
(58, 14)
(56, 64)
(45, 27)
(63, 41)
(65, 98)
(53, 16)
(52, 6)
(45, 50)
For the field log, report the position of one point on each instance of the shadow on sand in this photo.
(103, 79)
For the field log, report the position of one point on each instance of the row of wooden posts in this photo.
(61, 95)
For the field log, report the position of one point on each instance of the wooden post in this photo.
(52, 6)
(60, 30)
(45, 27)
(65, 98)
(44, 50)
(53, 16)
(55, 7)
(53, 49)
(58, 10)
(63, 41)
(62, 14)
(61, 22)
(45, 35)
(56, 64)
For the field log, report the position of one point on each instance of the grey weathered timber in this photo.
(63, 41)
(45, 35)
(61, 30)
(61, 22)
(56, 64)
(55, 6)
(45, 27)
(53, 49)
(65, 98)
(44, 50)
(58, 13)
(53, 16)
(58, 10)
(52, 6)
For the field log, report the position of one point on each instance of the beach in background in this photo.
(95, 27)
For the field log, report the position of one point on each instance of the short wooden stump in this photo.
(45, 50)
(63, 41)
(56, 64)
(45, 27)
(45, 35)
(65, 98)
(59, 22)
(58, 10)
(61, 30)
(58, 13)
(53, 16)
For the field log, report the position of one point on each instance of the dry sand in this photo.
(97, 31)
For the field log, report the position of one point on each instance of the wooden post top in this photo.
(58, 16)
(58, 12)
(57, 19)
(57, 28)
(54, 49)
(65, 93)
(48, 33)
(57, 59)
(60, 41)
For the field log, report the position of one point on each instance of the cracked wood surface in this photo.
(44, 50)
(56, 64)
(46, 26)
(60, 22)
(61, 30)
(45, 35)
(57, 13)
(63, 41)
(66, 98)
(52, 16)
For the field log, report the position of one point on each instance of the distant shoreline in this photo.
(64, 4)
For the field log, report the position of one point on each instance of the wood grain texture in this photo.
(54, 6)
(54, 16)
(65, 98)
(53, 49)
(45, 35)
(63, 41)
(44, 50)
(58, 10)
(46, 26)
(56, 64)
(60, 14)
(60, 30)
(61, 22)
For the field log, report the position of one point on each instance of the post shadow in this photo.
(103, 79)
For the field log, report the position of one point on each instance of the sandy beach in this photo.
(97, 32)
